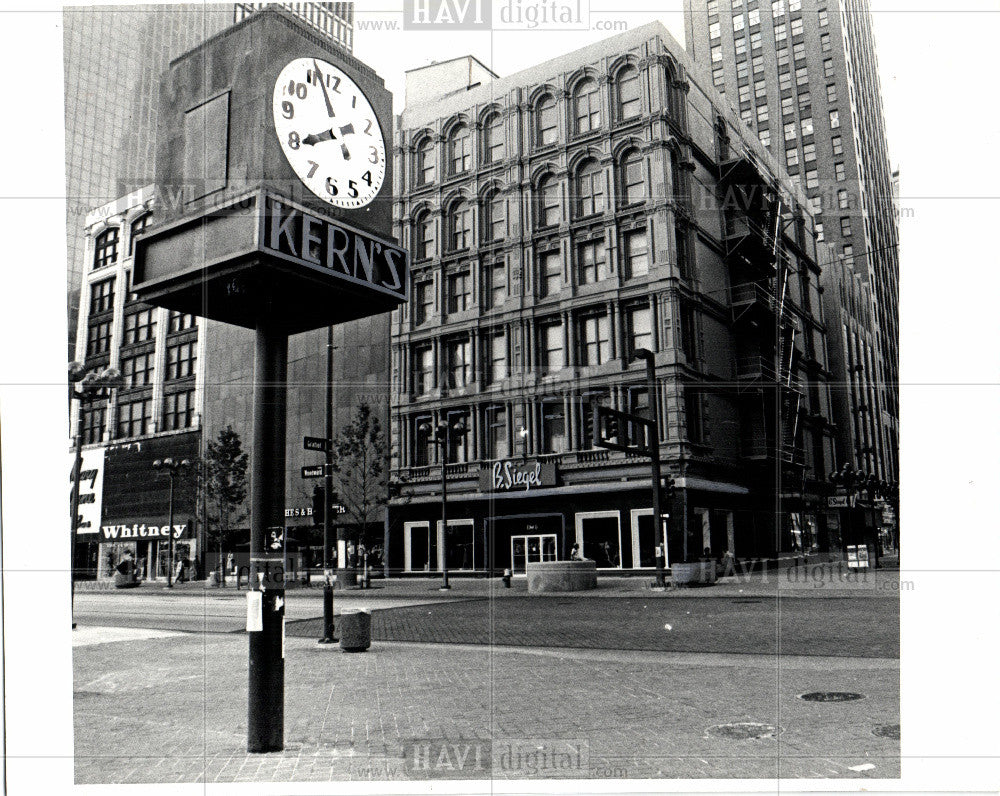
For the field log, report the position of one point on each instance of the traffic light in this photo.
(668, 491)
(319, 503)
(613, 429)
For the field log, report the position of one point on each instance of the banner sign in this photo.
(91, 489)
(515, 476)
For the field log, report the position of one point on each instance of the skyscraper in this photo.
(803, 74)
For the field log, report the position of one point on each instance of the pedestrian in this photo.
(231, 564)
(574, 553)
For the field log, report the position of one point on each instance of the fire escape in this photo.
(763, 324)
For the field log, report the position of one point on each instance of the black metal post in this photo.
(443, 441)
(75, 515)
(170, 532)
(266, 691)
(328, 629)
(661, 543)
(328, 457)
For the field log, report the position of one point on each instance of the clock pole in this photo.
(266, 693)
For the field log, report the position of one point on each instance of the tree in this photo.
(222, 478)
(360, 469)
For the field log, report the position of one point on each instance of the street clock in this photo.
(329, 132)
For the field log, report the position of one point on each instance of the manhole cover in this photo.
(744, 730)
(831, 696)
(886, 731)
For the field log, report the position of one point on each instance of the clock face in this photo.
(329, 132)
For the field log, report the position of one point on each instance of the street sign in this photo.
(840, 501)
(315, 444)
(313, 471)
(621, 431)
(338, 508)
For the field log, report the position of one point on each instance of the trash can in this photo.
(355, 628)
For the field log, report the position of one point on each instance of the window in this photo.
(423, 370)
(587, 106)
(138, 370)
(834, 120)
(777, 8)
(459, 353)
(780, 32)
(805, 101)
(838, 145)
(716, 54)
(458, 443)
(762, 114)
(98, 338)
(134, 417)
(845, 226)
(139, 326)
(594, 340)
(179, 322)
(782, 53)
(765, 137)
(550, 346)
(549, 273)
(790, 131)
(92, 429)
(553, 427)
(714, 30)
(839, 172)
(638, 328)
(760, 89)
(629, 103)
(808, 152)
(423, 445)
(178, 410)
(106, 248)
(102, 296)
(755, 41)
(635, 253)
(460, 222)
(459, 149)
(744, 94)
(831, 93)
(758, 65)
(739, 22)
(812, 178)
(741, 45)
(754, 16)
(794, 5)
(590, 189)
(828, 67)
(719, 77)
(797, 26)
(590, 262)
(426, 245)
(493, 139)
(787, 106)
(424, 162)
(802, 76)
(742, 70)
(494, 226)
(497, 351)
(181, 360)
(824, 18)
(792, 157)
(807, 126)
(633, 181)
(713, 7)
(548, 201)
(423, 301)
(497, 444)
(843, 202)
(799, 51)
(459, 291)
(819, 232)
(687, 329)
(824, 42)
(693, 415)
(785, 81)
(849, 253)
(137, 226)
(496, 284)
(746, 115)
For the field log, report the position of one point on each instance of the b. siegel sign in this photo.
(511, 476)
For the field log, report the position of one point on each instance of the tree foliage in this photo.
(222, 475)
(360, 467)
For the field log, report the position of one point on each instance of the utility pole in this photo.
(654, 454)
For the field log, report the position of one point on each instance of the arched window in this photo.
(459, 150)
(106, 248)
(137, 227)
(546, 121)
(493, 139)
(460, 225)
(629, 105)
(677, 177)
(633, 179)
(494, 225)
(587, 106)
(423, 163)
(548, 201)
(425, 245)
(589, 189)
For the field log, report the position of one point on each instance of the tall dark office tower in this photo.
(804, 75)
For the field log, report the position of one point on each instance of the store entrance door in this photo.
(537, 547)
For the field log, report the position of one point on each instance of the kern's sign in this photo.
(514, 476)
(137, 532)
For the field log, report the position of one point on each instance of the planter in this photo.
(355, 629)
(693, 573)
(555, 576)
(125, 581)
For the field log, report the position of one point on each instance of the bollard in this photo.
(506, 578)
(328, 630)
(355, 631)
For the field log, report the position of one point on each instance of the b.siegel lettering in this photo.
(507, 475)
(317, 241)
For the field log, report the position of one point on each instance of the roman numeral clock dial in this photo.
(329, 133)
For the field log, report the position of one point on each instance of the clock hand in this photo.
(315, 138)
(345, 130)
(322, 85)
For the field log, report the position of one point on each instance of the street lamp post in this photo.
(654, 447)
(91, 385)
(441, 436)
(173, 468)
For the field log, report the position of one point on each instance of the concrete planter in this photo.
(693, 573)
(550, 576)
(355, 629)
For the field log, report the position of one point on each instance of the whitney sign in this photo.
(128, 533)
